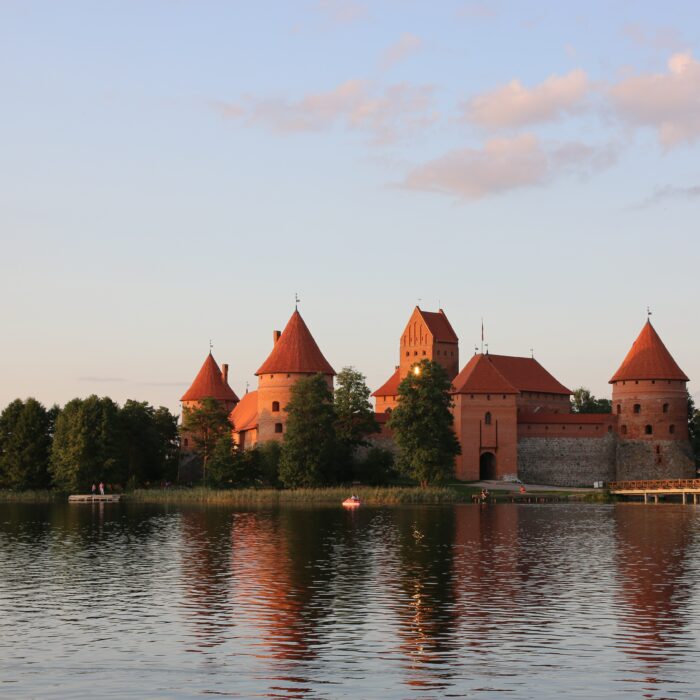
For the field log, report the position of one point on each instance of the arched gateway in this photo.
(487, 466)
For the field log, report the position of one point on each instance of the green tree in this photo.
(583, 401)
(376, 467)
(206, 424)
(149, 441)
(354, 416)
(310, 445)
(87, 444)
(224, 464)
(423, 425)
(25, 445)
(694, 428)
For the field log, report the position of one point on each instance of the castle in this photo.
(513, 419)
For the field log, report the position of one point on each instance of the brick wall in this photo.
(567, 461)
(662, 459)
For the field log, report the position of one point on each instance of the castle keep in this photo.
(511, 416)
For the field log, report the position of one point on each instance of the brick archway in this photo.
(487, 466)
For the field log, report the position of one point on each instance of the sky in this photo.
(172, 172)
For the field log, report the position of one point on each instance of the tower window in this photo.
(488, 397)
(275, 406)
(648, 430)
(407, 353)
(424, 352)
(671, 429)
(278, 427)
(623, 429)
(610, 428)
(619, 409)
(658, 449)
(637, 408)
(487, 418)
(665, 408)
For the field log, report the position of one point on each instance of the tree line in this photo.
(327, 437)
(88, 440)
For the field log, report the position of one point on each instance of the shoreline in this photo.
(369, 495)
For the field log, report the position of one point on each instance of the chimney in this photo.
(276, 336)
(224, 373)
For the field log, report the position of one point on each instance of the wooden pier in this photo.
(89, 498)
(687, 489)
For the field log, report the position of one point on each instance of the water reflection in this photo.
(655, 591)
(535, 601)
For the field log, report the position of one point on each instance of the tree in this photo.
(354, 415)
(206, 424)
(423, 425)
(149, 441)
(25, 445)
(224, 462)
(694, 428)
(87, 444)
(583, 401)
(310, 444)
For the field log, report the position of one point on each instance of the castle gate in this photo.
(487, 466)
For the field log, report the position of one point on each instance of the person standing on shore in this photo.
(94, 488)
(102, 489)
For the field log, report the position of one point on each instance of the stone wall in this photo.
(663, 459)
(567, 461)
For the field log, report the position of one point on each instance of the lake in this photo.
(522, 601)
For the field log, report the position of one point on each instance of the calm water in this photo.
(411, 602)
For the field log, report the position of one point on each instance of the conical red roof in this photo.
(390, 386)
(209, 383)
(480, 376)
(648, 359)
(296, 351)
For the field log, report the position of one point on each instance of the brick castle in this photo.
(511, 416)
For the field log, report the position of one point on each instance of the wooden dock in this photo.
(89, 498)
(687, 489)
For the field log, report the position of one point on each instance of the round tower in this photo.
(294, 355)
(650, 400)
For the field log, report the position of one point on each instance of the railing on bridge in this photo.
(654, 485)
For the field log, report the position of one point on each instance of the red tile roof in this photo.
(245, 415)
(390, 386)
(296, 351)
(439, 326)
(567, 418)
(527, 374)
(648, 359)
(480, 376)
(209, 383)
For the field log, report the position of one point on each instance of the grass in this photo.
(36, 496)
(383, 495)
(370, 495)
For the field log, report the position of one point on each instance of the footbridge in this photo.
(688, 490)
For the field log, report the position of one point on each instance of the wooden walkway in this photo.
(687, 489)
(89, 498)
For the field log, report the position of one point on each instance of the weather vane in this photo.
(296, 301)
(648, 312)
(532, 353)
(211, 345)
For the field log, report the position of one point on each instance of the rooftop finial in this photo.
(296, 301)
(532, 353)
(648, 313)
(247, 384)
(482, 335)
(211, 345)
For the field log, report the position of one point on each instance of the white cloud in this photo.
(515, 105)
(386, 113)
(668, 102)
(505, 164)
(659, 38)
(404, 47)
(662, 194)
(343, 11)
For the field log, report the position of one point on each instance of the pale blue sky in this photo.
(174, 171)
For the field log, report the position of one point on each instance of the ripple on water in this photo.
(410, 602)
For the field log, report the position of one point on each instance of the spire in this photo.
(209, 383)
(648, 358)
(296, 351)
